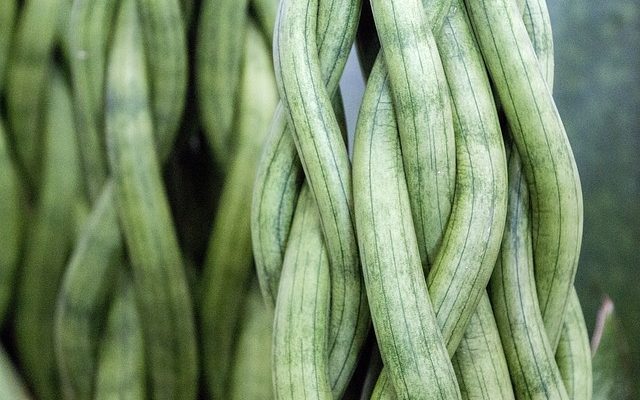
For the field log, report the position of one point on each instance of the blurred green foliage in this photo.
(611, 380)
(597, 90)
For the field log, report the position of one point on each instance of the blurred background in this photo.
(597, 91)
(597, 47)
(597, 54)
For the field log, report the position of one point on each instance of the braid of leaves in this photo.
(221, 32)
(88, 293)
(573, 353)
(131, 202)
(49, 235)
(226, 280)
(529, 352)
(158, 273)
(148, 39)
(11, 213)
(465, 259)
(410, 340)
(11, 207)
(323, 155)
(121, 364)
(90, 24)
(28, 67)
(86, 288)
(312, 44)
(532, 367)
(39, 177)
(280, 173)
(305, 270)
(474, 380)
(548, 163)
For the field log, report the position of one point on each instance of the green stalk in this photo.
(49, 237)
(158, 272)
